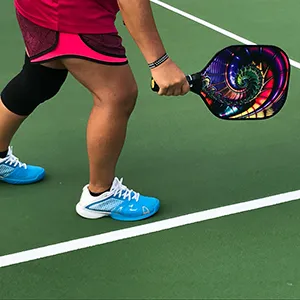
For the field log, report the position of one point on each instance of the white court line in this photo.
(213, 27)
(109, 237)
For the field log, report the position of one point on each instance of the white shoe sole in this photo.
(89, 214)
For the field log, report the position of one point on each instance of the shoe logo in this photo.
(131, 207)
(146, 211)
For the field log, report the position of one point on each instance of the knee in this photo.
(130, 98)
(127, 100)
(119, 101)
(32, 86)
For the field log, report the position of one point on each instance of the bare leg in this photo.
(9, 124)
(114, 92)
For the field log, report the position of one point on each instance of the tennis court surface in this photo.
(228, 227)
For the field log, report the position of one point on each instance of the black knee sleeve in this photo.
(32, 86)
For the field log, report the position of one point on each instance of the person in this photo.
(80, 37)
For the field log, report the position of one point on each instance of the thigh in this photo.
(55, 64)
(107, 82)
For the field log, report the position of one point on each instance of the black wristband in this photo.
(159, 61)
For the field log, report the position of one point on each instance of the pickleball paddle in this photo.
(243, 82)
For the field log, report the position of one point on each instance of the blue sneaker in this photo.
(120, 203)
(15, 172)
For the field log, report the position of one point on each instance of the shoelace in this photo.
(121, 190)
(14, 161)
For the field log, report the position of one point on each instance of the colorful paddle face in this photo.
(244, 82)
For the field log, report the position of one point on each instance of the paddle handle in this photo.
(155, 87)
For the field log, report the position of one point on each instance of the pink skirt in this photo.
(43, 45)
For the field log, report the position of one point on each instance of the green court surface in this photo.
(175, 150)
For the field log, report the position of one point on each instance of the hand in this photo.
(170, 79)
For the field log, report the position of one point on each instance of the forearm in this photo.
(139, 20)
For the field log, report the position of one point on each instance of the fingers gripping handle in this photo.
(155, 87)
